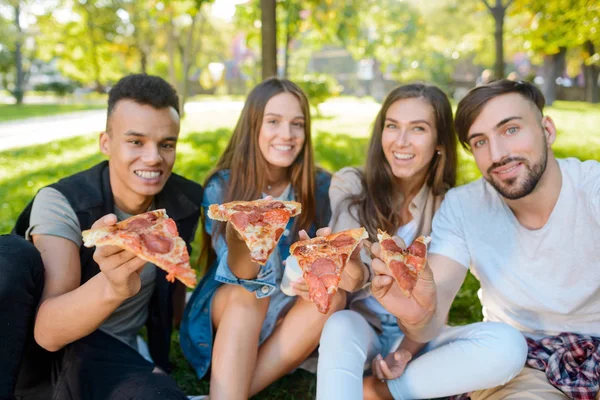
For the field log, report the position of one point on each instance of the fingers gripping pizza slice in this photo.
(259, 222)
(322, 260)
(151, 236)
(407, 264)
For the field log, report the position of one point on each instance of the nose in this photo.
(402, 137)
(151, 155)
(498, 150)
(285, 130)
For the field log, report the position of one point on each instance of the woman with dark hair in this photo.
(411, 163)
(260, 334)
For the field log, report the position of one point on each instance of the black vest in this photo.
(90, 195)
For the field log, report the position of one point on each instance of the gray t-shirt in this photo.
(52, 215)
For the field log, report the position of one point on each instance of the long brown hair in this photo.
(247, 165)
(375, 204)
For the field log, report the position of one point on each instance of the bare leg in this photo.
(237, 317)
(374, 389)
(292, 341)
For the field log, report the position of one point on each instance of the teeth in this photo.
(282, 147)
(148, 174)
(504, 171)
(400, 156)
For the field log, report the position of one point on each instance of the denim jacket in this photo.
(196, 334)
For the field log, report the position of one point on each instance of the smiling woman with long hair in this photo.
(238, 321)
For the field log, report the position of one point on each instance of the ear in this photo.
(104, 143)
(549, 130)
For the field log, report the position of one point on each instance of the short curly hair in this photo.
(143, 89)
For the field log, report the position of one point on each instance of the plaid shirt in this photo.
(571, 363)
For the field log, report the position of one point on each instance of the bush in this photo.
(61, 89)
(319, 88)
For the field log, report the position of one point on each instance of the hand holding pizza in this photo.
(120, 267)
(413, 309)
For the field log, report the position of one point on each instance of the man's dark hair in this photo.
(471, 105)
(144, 89)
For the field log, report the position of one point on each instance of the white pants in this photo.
(460, 360)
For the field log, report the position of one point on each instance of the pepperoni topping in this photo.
(139, 224)
(254, 217)
(322, 266)
(171, 227)
(276, 216)
(317, 292)
(404, 276)
(390, 245)
(416, 262)
(240, 220)
(278, 233)
(156, 243)
(274, 205)
(242, 207)
(330, 281)
(343, 240)
(344, 258)
(418, 249)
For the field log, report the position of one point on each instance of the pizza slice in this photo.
(322, 260)
(405, 264)
(151, 236)
(260, 223)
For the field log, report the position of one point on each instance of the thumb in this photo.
(107, 220)
(402, 356)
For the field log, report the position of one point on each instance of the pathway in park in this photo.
(343, 116)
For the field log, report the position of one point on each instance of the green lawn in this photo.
(24, 171)
(10, 112)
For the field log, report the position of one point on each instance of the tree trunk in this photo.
(591, 72)
(554, 65)
(171, 49)
(499, 39)
(143, 61)
(19, 90)
(269, 38)
(498, 12)
(286, 59)
(189, 54)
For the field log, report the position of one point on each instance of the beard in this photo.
(518, 187)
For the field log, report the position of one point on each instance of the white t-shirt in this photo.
(543, 281)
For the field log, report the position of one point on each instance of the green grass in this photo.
(24, 171)
(10, 112)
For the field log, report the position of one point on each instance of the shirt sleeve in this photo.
(52, 214)
(346, 182)
(265, 282)
(448, 237)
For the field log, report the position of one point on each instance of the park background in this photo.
(58, 59)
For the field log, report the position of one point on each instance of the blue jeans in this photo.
(460, 360)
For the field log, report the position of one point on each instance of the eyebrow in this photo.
(498, 125)
(281, 116)
(417, 121)
(141, 135)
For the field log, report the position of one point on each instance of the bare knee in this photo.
(234, 299)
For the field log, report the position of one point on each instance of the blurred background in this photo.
(58, 59)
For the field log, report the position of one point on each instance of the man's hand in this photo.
(414, 311)
(355, 273)
(120, 267)
(392, 366)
